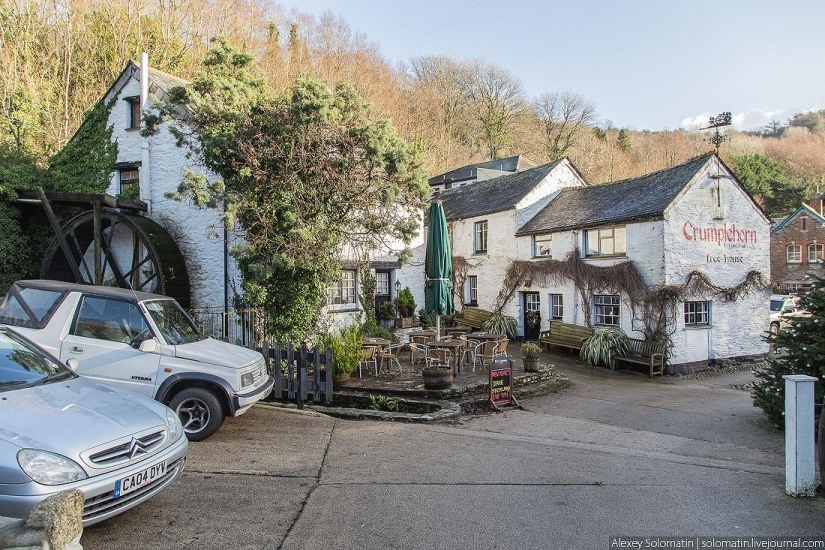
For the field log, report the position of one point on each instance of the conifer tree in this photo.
(799, 349)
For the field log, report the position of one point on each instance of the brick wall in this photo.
(792, 233)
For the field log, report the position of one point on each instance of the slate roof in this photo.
(493, 195)
(807, 209)
(638, 198)
(516, 163)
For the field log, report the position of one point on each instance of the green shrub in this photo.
(346, 349)
(427, 317)
(387, 311)
(529, 350)
(406, 302)
(498, 323)
(602, 348)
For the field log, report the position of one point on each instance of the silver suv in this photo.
(141, 342)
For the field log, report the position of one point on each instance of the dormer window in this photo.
(134, 112)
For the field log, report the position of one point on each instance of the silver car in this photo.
(61, 431)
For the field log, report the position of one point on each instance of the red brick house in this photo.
(797, 244)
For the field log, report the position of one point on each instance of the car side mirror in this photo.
(73, 363)
(150, 346)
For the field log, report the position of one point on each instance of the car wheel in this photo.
(200, 412)
(774, 329)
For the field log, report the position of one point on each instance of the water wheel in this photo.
(135, 252)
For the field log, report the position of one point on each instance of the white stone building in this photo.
(156, 164)
(692, 217)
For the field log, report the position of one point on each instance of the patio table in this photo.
(485, 336)
(379, 343)
(454, 346)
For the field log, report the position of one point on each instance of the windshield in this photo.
(174, 324)
(22, 365)
(776, 305)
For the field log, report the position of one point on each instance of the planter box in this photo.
(406, 322)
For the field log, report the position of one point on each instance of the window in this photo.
(804, 223)
(697, 313)
(814, 253)
(794, 253)
(134, 112)
(556, 307)
(471, 294)
(607, 310)
(129, 178)
(605, 242)
(111, 320)
(343, 291)
(543, 245)
(481, 236)
(382, 283)
(532, 302)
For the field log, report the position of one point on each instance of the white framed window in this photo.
(793, 254)
(556, 307)
(543, 246)
(532, 302)
(608, 241)
(471, 290)
(343, 290)
(607, 309)
(382, 283)
(697, 313)
(481, 236)
(814, 252)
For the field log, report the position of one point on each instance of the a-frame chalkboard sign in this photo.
(501, 384)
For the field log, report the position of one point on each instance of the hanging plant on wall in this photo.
(654, 309)
(532, 319)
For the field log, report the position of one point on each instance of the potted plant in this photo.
(603, 347)
(346, 352)
(406, 307)
(386, 313)
(530, 354)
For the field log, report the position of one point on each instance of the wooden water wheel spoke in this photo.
(154, 260)
(82, 257)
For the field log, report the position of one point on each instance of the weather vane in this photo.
(720, 120)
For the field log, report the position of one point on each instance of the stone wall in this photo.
(725, 244)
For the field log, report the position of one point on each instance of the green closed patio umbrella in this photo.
(438, 265)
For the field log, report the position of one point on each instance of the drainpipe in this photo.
(145, 167)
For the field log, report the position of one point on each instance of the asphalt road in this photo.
(615, 454)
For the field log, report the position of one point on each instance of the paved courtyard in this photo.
(615, 454)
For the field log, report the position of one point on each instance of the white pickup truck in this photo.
(142, 342)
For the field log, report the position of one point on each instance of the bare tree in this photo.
(563, 115)
(496, 100)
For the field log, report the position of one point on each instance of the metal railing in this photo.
(242, 327)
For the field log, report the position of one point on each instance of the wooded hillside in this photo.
(57, 59)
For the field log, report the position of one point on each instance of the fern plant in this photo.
(602, 348)
(498, 323)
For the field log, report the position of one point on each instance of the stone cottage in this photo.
(154, 165)
(694, 217)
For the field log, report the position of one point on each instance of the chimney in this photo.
(815, 201)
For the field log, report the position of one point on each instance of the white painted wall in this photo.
(737, 327)
(198, 232)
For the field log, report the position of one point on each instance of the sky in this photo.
(646, 64)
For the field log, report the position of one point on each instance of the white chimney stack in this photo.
(145, 168)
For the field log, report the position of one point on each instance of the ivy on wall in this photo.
(655, 309)
(84, 165)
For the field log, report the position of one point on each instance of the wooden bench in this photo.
(565, 335)
(645, 352)
(473, 317)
